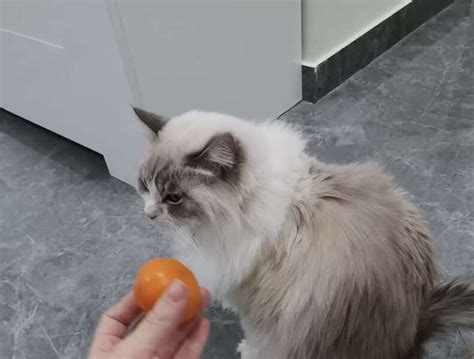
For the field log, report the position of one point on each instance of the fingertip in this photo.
(205, 297)
(177, 291)
(176, 294)
(206, 323)
(203, 329)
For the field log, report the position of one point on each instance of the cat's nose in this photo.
(151, 212)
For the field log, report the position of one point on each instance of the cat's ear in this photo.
(154, 122)
(222, 155)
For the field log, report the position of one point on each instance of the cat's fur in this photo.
(320, 261)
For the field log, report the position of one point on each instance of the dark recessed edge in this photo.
(319, 81)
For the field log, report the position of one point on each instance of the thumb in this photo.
(157, 332)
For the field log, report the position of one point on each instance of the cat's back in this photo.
(363, 195)
(357, 209)
(364, 182)
(359, 257)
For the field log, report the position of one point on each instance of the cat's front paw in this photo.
(246, 351)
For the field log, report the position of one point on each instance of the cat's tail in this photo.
(451, 306)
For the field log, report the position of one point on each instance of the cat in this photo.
(319, 260)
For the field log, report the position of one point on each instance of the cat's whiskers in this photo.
(181, 234)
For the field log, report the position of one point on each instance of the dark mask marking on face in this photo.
(142, 186)
(179, 180)
(188, 208)
(222, 155)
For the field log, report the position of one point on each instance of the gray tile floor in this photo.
(71, 237)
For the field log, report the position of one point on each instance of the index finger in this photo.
(116, 320)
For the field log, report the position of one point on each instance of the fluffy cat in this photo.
(320, 261)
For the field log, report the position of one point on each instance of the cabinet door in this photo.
(235, 56)
(61, 69)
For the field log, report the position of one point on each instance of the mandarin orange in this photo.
(155, 276)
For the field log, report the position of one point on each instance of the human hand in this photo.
(158, 336)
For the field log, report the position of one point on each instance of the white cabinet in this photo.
(61, 69)
(75, 67)
(237, 56)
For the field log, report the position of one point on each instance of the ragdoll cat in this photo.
(320, 261)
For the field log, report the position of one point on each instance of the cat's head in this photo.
(191, 174)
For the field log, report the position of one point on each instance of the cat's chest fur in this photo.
(218, 268)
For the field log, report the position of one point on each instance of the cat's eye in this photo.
(173, 198)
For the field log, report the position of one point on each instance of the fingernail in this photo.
(177, 291)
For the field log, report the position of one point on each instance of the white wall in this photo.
(330, 25)
(240, 57)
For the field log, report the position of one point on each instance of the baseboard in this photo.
(320, 80)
